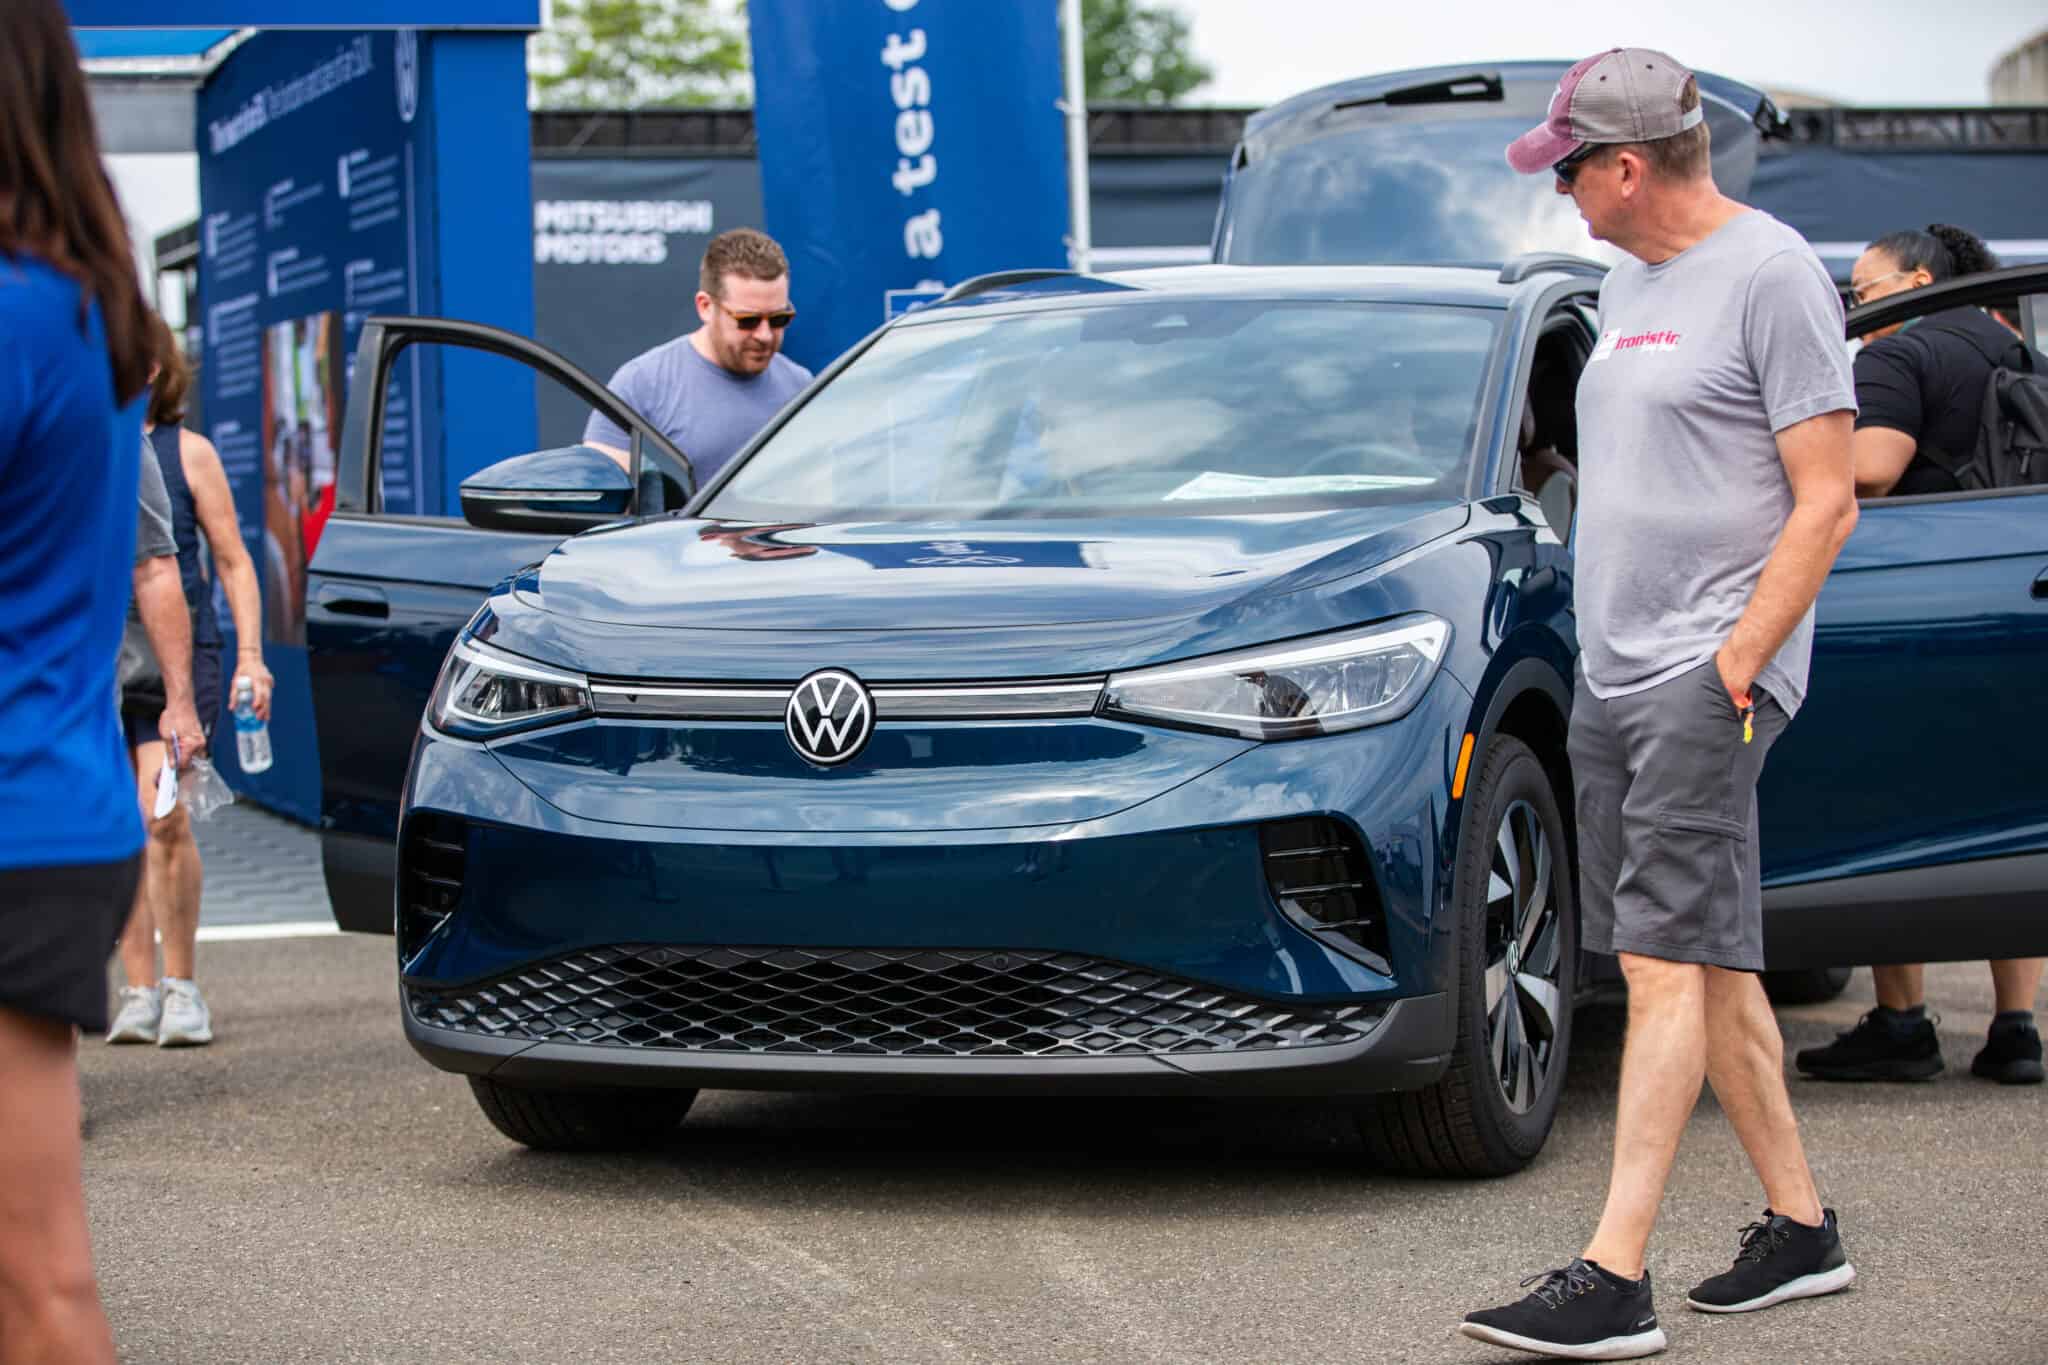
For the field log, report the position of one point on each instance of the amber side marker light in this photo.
(1464, 766)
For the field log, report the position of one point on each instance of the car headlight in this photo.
(484, 692)
(1316, 686)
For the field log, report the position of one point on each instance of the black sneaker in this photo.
(1779, 1260)
(1580, 1312)
(2011, 1056)
(1873, 1051)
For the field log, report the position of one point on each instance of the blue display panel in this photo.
(313, 215)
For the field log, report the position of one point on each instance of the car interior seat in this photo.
(1550, 425)
(1549, 475)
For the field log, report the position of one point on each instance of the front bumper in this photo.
(1403, 1045)
(1140, 952)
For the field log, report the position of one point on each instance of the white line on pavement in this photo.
(236, 933)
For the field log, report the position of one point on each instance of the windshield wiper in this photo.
(1456, 90)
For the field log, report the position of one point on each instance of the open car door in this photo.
(385, 595)
(1905, 813)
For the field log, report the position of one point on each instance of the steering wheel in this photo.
(1371, 457)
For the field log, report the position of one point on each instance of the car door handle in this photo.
(353, 600)
(2041, 587)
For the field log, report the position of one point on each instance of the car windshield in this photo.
(1429, 184)
(1138, 408)
(1401, 192)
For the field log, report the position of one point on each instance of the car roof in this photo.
(1476, 285)
(1527, 86)
(1310, 104)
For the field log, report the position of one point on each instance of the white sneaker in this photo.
(186, 1020)
(141, 1010)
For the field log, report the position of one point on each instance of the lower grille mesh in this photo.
(882, 1002)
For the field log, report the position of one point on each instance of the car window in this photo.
(1428, 184)
(1170, 407)
(1401, 193)
(524, 392)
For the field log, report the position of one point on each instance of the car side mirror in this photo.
(568, 490)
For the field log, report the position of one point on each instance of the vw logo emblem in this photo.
(829, 717)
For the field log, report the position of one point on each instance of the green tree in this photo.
(639, 54)
(1136, 52)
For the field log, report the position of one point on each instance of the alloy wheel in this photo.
(1524, 1008)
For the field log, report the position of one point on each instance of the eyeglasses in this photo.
(1567, 170)
(1860, 293)
(747, 322)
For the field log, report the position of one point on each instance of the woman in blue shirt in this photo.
(74, 358)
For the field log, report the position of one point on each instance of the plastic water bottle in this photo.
(252, 732)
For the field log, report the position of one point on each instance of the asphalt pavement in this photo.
(307, 1189)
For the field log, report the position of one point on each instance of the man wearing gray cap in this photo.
(1716, 487)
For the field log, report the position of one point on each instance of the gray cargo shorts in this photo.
(1666, 792)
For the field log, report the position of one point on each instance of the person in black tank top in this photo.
(169, 1010)
(1920, 388)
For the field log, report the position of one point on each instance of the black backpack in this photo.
(2012, 431)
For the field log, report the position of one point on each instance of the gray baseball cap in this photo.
(1625, 94)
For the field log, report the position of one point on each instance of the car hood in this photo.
(700, 598)
(942, 576)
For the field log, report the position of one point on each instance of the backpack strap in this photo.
(2018, 344)
(1990, 358)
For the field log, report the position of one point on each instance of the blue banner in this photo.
(905, 145)
(310, 174)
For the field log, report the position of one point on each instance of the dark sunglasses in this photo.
(1568, 169)
(747, 322)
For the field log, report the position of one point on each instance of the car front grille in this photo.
(881, 1002)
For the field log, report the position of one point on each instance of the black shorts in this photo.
(142, 704)
(58, 927)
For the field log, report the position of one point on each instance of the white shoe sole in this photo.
(131, 1034)
(199, 1039)
(1805, 1287)
(1630, 1347)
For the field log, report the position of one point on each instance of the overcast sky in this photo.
(1872, 52)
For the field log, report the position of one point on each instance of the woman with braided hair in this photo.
(1920, 399)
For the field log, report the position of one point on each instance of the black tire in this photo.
(581, 1120)
(1807, 985)
(1467, 1123)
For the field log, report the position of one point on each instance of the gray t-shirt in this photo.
(706, 409)
(1682, 493)
(153, 535)
(153, 540)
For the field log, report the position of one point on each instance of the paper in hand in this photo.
(166, 785)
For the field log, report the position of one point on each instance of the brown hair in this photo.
(173, 375)
(742, 251)
(56, 203)
(1683, 156)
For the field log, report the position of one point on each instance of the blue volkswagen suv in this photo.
(1134, 683)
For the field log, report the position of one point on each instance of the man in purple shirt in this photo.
(713, 389)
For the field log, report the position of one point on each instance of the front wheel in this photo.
(1806, 985)
(581, 1120)
(1516, 919)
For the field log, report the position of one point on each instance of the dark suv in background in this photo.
(1408, 168)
